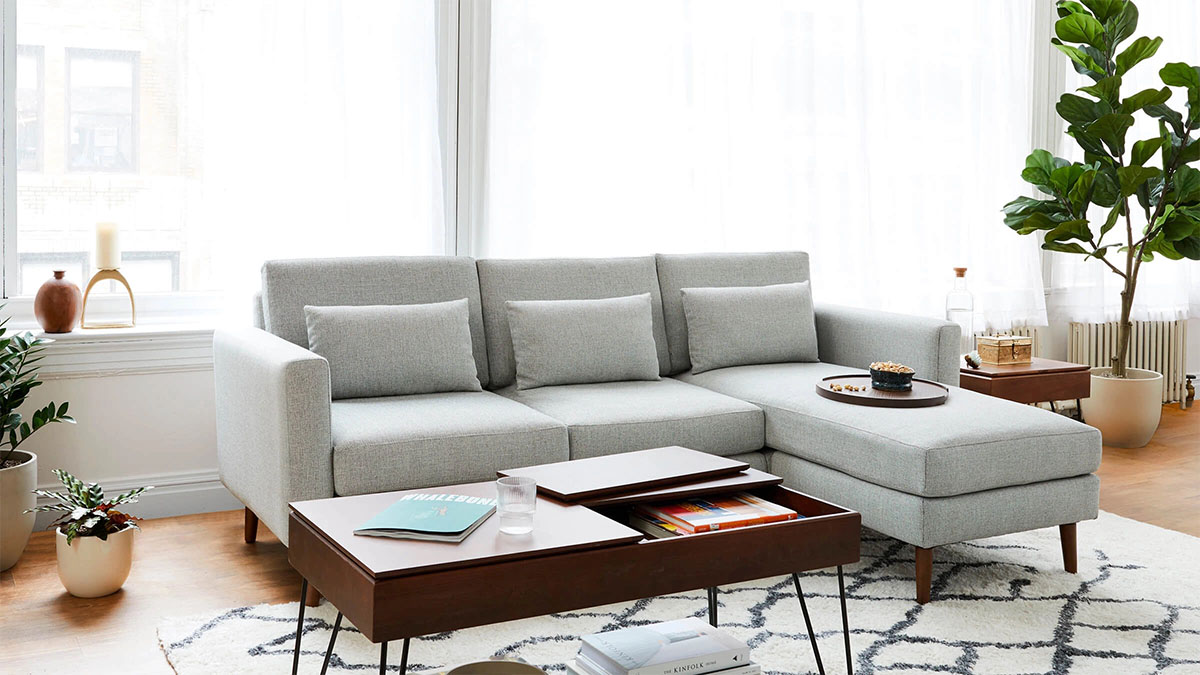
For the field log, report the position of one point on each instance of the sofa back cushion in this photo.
(705, 270)
(560, 279)
(583, 341)
(289, 285)
(394, 350)
(747, 325)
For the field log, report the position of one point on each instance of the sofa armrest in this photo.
(856, 337)
(273, 427)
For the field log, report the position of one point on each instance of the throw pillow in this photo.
(394, 350)
(582, 341)
(743, 325)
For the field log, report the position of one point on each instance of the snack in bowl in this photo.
(891, 376)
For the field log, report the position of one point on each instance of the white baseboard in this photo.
(174, 494)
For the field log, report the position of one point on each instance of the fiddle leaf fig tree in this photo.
(1144, 189)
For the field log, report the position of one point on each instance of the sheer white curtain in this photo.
(1086, 290)
(320, 130)
(881, 137)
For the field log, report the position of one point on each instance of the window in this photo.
(221, 134)
(30, 96)
(852, 130)
(102, 110)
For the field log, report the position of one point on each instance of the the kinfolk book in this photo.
(682, 647)
(430, 517)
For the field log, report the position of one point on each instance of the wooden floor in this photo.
(197, 564)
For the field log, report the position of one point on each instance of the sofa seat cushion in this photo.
(428, 440)
(970, 443)
(611, 417)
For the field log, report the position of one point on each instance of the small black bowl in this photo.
(889, 381)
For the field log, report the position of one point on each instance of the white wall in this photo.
(145, 412)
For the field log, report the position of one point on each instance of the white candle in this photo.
(108, 246)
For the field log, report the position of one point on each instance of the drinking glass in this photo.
(517, 497)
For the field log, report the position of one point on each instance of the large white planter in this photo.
(1126, 411)
(90, 568)
(16, 495)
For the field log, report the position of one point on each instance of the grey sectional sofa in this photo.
(974, 467)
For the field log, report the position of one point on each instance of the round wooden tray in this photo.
(922, 395)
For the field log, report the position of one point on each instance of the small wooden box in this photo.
(998, 350)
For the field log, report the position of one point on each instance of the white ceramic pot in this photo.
(1125, 410)
(16, 496)
(90, 568)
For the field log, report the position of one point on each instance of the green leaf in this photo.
(1122, 25)
(1168, 116)
(1033, 222)
(1107, 90)
(1143, 151)
(1065, 177)
(1139, 50)
(1189, 247)
(1132, 177)
(1105, 9)
(1016, 211)
(1111, 129)
(1066, 7)
(1084, 64)
(1180, 75)
(1144, 98)
(1064, 248)
(1179, 226)
(1186, 184)
(1080, 110)
(1080, 192)
(1038, 167)
(1109, 222)
(1071, 229)
(1080, 28)
(1090, 144)
(1191, 153)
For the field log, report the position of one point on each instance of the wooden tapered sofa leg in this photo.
(1067, 534)
(251, 526)
(312, 597)
(924, 574)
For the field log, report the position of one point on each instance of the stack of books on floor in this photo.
(705, 514)
(686, 646)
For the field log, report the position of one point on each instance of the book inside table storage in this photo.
(585, 556)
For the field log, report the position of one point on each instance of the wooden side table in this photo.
(1041, 380)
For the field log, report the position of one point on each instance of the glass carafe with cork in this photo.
(960, 308)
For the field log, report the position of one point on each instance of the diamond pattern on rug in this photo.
(1000, 605)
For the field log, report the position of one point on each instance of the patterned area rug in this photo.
(1001, 605)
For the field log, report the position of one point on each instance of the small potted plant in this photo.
(94, 540)
(19, 354)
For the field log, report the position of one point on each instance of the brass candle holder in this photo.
(103, 275)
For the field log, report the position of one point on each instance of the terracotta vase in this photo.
(57, 304)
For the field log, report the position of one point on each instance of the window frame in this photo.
(38, 52)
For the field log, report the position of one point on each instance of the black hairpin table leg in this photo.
(712, 606)
(383, 657)
(299, 627)
(845, 622)
(812, 637)
(337, 624)
(404, 658)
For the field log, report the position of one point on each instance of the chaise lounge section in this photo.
(974, 467)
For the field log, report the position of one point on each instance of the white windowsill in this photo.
(173, 334)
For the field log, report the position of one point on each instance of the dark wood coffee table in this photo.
(1040, 380)
(579, 555)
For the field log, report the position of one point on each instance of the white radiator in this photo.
(1160, 346)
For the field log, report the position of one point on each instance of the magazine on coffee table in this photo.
(430, 517)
